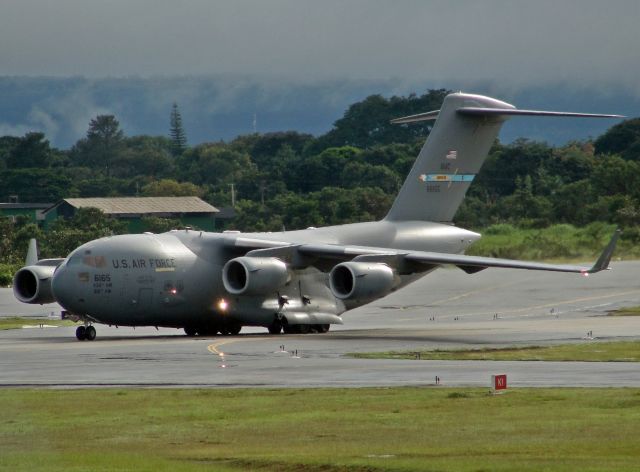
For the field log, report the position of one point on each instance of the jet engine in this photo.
(32, 284)
(254, 275)
(361, 280)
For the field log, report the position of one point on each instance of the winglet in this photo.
(32, 253)
(603, 261)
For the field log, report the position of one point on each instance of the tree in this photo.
(325, 168)
(367, 123)
(622, 139)
(144, 155)
(31, 151)
(171, 188)
(87, 224)
(102, 146)
(178, 136)
(7, 145)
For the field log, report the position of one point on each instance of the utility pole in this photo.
(233, 194)
(262, 188)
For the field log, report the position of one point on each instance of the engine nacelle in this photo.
(361, 280)
(32, 284)
(254, 275)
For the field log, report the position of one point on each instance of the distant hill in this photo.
(215, 108)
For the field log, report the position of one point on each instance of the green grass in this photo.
(16, 322)
(627, 351)
(559, 243)
(321, 430)
(627, 311)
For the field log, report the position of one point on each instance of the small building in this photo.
(191, 211)
(33, 211)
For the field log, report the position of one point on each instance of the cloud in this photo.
(44, 122)
(514, 43)
(10, 129)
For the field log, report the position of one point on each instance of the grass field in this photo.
(321, 430)
(15, 322)
(626, 351)
(628, 311)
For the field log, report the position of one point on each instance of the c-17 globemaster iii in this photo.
(294, 281)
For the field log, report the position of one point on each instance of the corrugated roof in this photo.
(21, 206)
(135, 205)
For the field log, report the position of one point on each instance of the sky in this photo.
(298, 64)
(517, 43)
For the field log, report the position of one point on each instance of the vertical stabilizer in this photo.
(32, 253)
(450, 158)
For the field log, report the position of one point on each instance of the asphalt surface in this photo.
(446, 309)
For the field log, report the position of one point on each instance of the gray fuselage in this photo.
(175, 278)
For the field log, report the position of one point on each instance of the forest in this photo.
(290, 180)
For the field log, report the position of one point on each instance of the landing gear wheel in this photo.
(322, 328)
(234, 329)
(80, 333)
(90, 333)
(288, 329)
(275, 327)
(190, 331)
(208, 332)
(303, 328)
(225, 331)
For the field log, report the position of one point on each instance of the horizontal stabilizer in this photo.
(430, 115)
(476, 111)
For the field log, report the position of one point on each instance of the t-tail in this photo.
(465, 128)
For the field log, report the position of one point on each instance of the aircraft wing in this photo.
(469, 264)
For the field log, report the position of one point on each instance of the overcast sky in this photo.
(515, 43)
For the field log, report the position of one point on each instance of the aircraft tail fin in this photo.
(466, 127)
(32, 253)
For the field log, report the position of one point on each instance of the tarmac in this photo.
(445, 309)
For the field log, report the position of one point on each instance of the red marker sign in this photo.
(499, 382)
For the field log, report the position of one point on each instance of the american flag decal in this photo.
(452, 154)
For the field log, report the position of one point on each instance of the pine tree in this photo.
(178, 136)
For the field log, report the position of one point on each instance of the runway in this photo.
(446, 309)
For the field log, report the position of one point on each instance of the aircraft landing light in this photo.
(222, 305)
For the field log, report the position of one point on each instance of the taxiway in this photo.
(446, 309)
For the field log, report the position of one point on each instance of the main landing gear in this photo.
(85, 333)
(232, 329)
(277, 327)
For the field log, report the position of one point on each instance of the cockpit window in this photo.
(74, 260)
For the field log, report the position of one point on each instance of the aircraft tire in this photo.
(80, 333)
(275, 328)
(208, 332)
(190, 331)
(90, 333)
(234, 329)
(288, 329)
(322, 328)
(303, 328)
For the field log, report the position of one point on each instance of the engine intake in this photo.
(254, 275)
(32, 284)
(361, 280)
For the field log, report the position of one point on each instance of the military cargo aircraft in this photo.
(294, 281)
